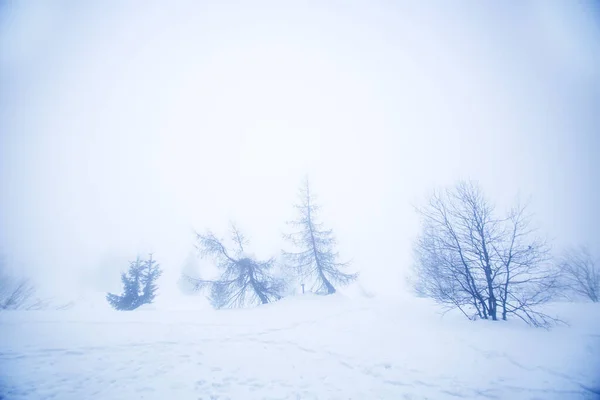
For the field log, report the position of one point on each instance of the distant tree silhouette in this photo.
(581, 273)
(16, 293)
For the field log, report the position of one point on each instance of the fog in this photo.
(125, 126)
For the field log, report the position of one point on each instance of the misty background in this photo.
(125, 126)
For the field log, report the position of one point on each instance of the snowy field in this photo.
(305, 347)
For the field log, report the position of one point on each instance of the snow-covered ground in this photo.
(305, 347)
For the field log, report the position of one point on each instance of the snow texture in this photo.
(305, 347)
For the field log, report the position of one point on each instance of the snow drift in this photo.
(304, 347)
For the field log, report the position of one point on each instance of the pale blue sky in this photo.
(125, 125)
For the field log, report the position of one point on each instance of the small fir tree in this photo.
(139, 285)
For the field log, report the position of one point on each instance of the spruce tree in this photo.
(139, 285)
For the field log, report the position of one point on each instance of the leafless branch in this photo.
(467, 257)
(581, 273)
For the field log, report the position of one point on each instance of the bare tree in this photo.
(582, 273)
(244, 280)
(317, 262)
(487, 267)
(16, 292)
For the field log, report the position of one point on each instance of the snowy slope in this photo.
(305, 347)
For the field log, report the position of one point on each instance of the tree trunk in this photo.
(328, 285)
(504, 298)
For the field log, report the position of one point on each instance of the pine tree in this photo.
(139, 285)
(317, 261)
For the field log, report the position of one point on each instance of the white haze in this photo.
(124, 126)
